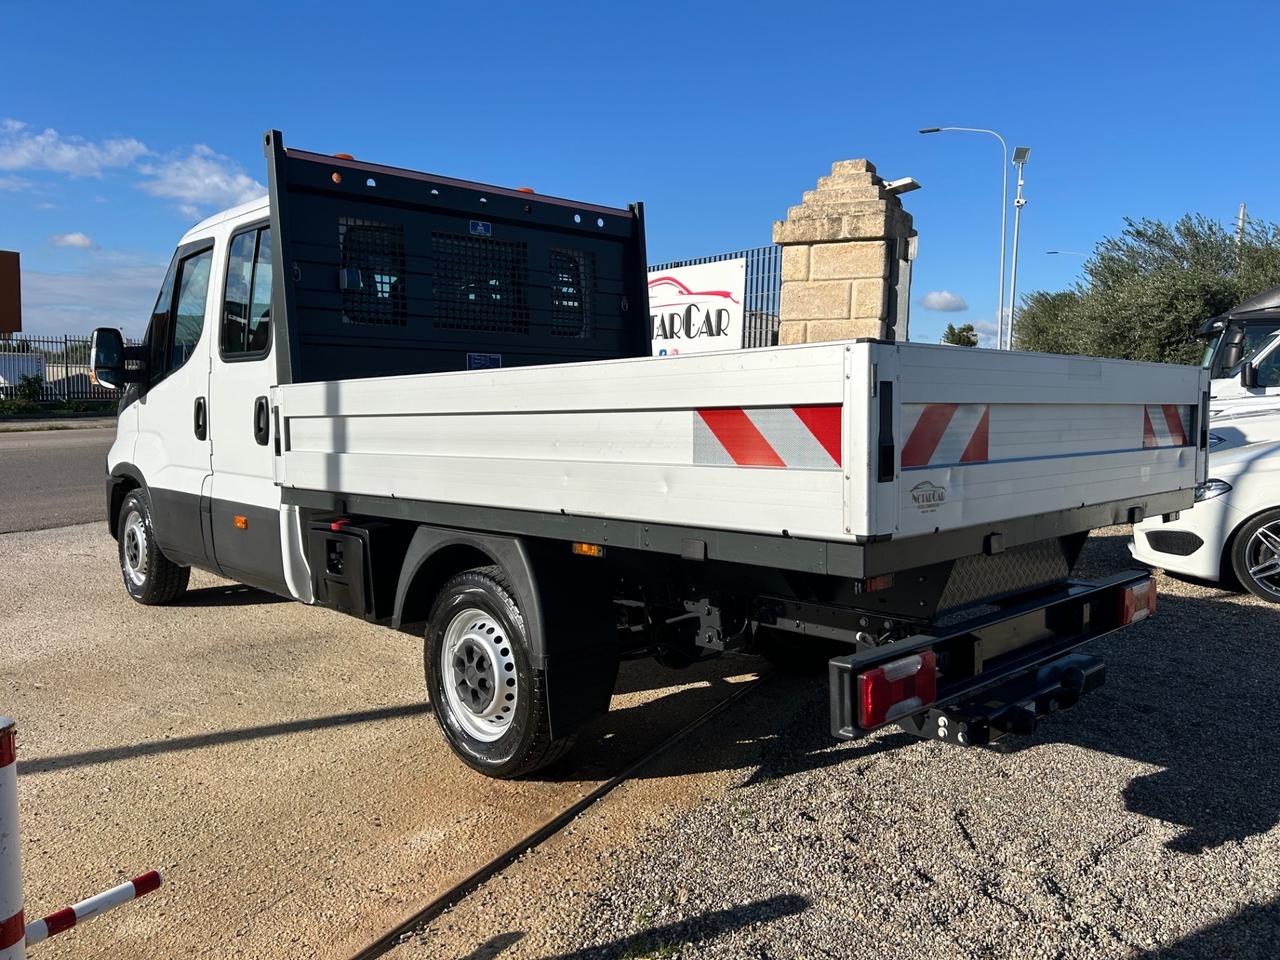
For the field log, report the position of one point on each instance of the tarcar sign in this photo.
(697, 308)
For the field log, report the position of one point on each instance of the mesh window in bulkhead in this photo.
(572, 283)
(480, 284)
(372, 272)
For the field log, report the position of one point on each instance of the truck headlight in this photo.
(1211, 488)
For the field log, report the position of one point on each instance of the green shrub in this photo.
(30, 387)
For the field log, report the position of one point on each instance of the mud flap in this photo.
(579, 635)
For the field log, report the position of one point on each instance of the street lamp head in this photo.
(903, 185)
(930, 129)
(1020, 154)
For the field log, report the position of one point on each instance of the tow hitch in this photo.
(994, 675)
(1013, 707)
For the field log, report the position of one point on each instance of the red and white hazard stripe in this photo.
(15, 934)
(68, 917)
(12, 929)
(940, 434)
(805, 438)
(1166, 425)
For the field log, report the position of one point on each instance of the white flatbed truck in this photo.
(430, 403)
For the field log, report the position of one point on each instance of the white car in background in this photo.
(1232, 534)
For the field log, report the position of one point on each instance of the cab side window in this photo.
(246, 306)
(188, 314)
(178, 318)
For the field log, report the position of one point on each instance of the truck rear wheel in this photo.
(149, 576)
(490, 702)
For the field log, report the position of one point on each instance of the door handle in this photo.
(261, 421)
(201, 419)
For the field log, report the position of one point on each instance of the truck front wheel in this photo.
(490, 702)
(149, 576)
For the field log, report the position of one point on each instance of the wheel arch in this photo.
(437, 553)
(123, 478)
(565, 601)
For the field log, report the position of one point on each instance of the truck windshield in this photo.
(1240, 342)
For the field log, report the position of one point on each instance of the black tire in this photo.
(1255, 546)
(149, 576)
(521, 739)
(796, 654)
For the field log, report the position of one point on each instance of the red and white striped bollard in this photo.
(13, 944)
(15, 934)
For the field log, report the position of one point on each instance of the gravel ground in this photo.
(276, 761)
(1142, 823)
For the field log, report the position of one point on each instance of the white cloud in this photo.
(22, 148)
(199, 180)
(81, 241)
(986, 331)
(116, 290)
(943, 300)
(14, 183)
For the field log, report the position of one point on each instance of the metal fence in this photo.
(61, 363)
(764, 287)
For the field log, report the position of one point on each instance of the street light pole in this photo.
(1020, 155)
(1004, 210)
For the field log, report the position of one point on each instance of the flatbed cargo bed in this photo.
(865, 456)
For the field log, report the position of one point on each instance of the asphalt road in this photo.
(51, 478)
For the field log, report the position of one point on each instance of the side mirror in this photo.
(1248, 376)
(107, 349)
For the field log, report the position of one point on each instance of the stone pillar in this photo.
(846, 253)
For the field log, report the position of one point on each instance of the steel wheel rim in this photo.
(1262, 557)
(478, 674)
(133, 549)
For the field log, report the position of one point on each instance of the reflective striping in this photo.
(978, 449)
(824, 423)
(12, 931)
(1173, 419)
(8, 747)
(791, 439)
(740, 438)
(1165, 425)
(926, 433)
(800, 438)
(941, 434)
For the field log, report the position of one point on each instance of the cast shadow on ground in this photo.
(661, 941)
(1249, 934)
(227, 595)
(777, 730)
(147, 748)
(1192, 691)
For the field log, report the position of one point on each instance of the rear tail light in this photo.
(1138, 602)
(897, 689)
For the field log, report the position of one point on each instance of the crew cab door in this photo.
(172, 446)
(244, 510)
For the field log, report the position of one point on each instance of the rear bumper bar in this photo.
(997, 673)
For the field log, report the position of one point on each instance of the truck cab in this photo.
(194, 432)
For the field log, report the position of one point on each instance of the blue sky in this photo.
(119, 127)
